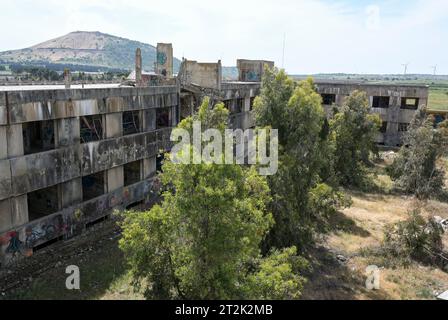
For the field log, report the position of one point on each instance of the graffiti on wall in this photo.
(161, 58)
(72, 221)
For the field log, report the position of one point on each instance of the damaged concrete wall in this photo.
(252, 70)
(206, 75)
(165, 60)
(68, 161)
(393, 113)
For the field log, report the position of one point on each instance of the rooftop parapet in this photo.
(252, 70)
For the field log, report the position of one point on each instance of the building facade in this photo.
(396, 105)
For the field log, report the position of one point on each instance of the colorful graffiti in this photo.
(161, 58)
(14, 244)
(253, 76)
(72, 221)
(39, 233)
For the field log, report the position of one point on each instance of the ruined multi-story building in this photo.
(396, 104)
(70, 155)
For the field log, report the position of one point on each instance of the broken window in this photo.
(38, 136)
(92, 186)
(383, 128)
(163, 118)
(328, 99)
(136, 206)
(132, 172)
(238, 106)
(380, 102)
(409, 103)
(228, 104)
(403, 127)
(91, 128)
(131, 122)
(43, 202)
(252, 101)
(159, 162)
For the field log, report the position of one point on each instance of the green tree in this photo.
(414, 239)
(415, 169)
(304, 158)
(353, 132)
(203, 240)
(271, 106)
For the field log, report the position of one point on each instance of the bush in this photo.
(413, 239)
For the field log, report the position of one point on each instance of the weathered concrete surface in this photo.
(206, 75)
(164, 60)
(70, 221)
(41, 170)
(394, 114)
(115, 179)
(39, 105)
(252, 70)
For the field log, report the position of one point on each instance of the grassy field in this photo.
(438, 98)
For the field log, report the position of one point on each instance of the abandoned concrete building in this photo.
(70, 155)
(396, 104)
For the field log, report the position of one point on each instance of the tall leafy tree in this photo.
(203, 241)
(296, 111)
(415, 169)
(353, 132)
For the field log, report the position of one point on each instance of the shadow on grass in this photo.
(332, 280)
(340, 222)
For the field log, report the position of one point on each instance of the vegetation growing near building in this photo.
(301, 192)
(353, 132)
(203, 241)
(416, 169)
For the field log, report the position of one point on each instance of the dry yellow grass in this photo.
(370, 213)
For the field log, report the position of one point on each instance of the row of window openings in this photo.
(46, 201)
(402, 127)
(39, 136)
(377, 101)
(237, 105)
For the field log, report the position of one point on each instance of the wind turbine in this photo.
(434, 68)
(405, 65)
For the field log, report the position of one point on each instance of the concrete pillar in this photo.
(114, 125)
(15, 140)
(67, 132)
(5, 179)
(67, 78)
(115, 179)
(71, 192)
(149, 120)
(246, 106)
(19, 206)
(164, 59)
(149, 167)
(138, 67)
(3, 143)
(5, 215)
(174, 116)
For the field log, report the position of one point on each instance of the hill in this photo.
(85, 49)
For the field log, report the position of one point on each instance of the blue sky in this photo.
(321, 35)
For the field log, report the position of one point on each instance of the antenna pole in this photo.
(283, 54)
